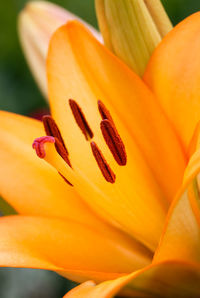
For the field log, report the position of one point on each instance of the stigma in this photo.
(39, 145)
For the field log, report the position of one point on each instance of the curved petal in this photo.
(29, 184)
(194, 141)
(173, 75)
(175, 271)
(166, 280)
(94, 73)
(181, 236)
(66, 246)
(33, 187)
(91, 74)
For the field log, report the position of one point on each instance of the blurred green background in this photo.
(19, 93)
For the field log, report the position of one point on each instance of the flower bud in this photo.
(132, 29)
(37, 22)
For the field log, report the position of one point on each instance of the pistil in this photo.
(39, 144)
(44, 150)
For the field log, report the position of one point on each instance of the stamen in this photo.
(65, 179)
(62, 151)
(81, 120)
(39, 143)
(112, 136)
(105, 114)
(52, 129)
(102, 163)
(114, 142)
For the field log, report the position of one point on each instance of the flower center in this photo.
(109, 132)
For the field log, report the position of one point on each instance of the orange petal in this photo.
(194, 141)
(181, 236)
(166, 280)
(94, 73)
(29, 184)
(33, 187)
(173, 74)
(66, 246)
(131, 100)
(175, 271)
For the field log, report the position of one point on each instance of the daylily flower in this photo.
(115, 154)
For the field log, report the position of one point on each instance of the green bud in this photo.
(132, 29)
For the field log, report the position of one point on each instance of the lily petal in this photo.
(181, 236)
(94, 73)
(64, 246)
(33, 187)
(29, 184)
(168, 279)
(108, 79)
(173, 75)
(138, 104)
(175, 271)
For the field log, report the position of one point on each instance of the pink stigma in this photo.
(39, 143)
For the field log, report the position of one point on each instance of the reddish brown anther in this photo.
(105, 114)
(39, 143)
(62, 151)
(80, 119)
(102, 163)
(65, 179)
(114, 142)
(52, 129)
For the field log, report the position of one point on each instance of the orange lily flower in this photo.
(116, 153)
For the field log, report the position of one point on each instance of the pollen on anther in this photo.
(62, 151)
(106, 170)
(114, 142)
(81, 119)
(111, 135)
(39, 143)
(105, 114)
(52, 129)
